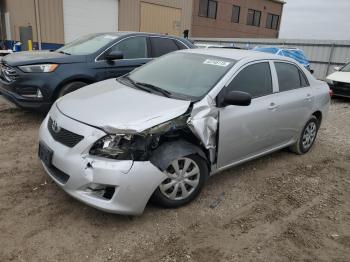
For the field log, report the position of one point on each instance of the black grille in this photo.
(27, 91)
(7, 73)
(342, 85)
(58, 174)
(64, 136)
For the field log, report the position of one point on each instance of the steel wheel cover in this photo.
(183, 179)
(309, 135)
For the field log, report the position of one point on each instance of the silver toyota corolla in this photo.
(159, 132)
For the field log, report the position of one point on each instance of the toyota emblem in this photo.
(55, 127)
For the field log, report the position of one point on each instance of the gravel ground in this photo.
(282, 207)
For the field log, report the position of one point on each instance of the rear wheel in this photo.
(186, 178)
(68, 88)
(307, 137)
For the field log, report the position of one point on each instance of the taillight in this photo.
(330, 92)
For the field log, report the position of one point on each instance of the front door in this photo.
(245, 131)
(135, 51)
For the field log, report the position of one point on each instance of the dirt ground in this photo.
(282, 207)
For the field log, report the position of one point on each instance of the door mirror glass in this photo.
(237, 98)
(114, 55)
(337, 68)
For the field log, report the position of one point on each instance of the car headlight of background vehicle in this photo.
(43, 68)
(330, 82)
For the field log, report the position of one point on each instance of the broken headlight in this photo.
(123, 147)
(135, 146)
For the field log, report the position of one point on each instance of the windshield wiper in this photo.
(155, 88)
(147, 87)
(65, 53)
(134, 83)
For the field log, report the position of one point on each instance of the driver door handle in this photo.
(272, 106)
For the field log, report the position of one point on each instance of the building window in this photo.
(236, 10)
(272, 21)
(208, 8)
(253, 17)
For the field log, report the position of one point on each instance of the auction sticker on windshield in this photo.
(216, 62)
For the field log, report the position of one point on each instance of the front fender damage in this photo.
(194, 132)
(203, 122)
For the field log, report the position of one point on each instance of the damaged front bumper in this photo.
(116, 186)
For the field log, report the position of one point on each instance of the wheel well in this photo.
(318, 115)
(59, 87)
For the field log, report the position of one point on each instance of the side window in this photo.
(161, 46)
(303, 79)
(132, 48)
(289, 77)
(254, 79)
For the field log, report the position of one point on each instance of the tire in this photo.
(70, 87)
(307, 137)
(193, 184)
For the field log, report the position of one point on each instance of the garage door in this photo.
(82, 17)
(160, 19)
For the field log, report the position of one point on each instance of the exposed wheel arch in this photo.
(318, 115)
(169, 151)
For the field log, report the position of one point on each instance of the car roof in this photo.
(236, 54)
(126, 33)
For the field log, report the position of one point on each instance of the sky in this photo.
(316, 19)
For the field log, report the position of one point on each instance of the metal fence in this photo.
(324, 55)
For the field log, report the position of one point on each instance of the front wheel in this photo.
(307, 137)
(68, 88)
(185, 179)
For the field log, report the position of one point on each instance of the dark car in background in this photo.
(34, 80)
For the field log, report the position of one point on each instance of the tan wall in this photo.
(51, 21)
(168, 19)
(22, 13)
(130, 13)
(222, 25)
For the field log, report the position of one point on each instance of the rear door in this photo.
(135, 51)
(245, 131)
(294, 100)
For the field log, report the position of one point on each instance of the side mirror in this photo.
(337, 68)
(114, 55)
(237, 98)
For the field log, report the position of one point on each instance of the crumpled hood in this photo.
(36, 57)
(117, 108)
(340, 77)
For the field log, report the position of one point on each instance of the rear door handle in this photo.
(308, 97)
(272, 106)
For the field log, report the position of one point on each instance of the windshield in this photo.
(183, 75)
(87, 44)
(346, 68)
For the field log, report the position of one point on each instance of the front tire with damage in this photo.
(186, 177)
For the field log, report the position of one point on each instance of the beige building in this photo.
(50, 23)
